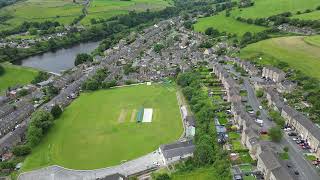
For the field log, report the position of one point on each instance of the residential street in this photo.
(306, 169)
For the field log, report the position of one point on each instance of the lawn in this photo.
(198, 174)
(311, 157)
(63, 11)
(266, 8)
(245, 157)
(98, 130)
(292, 50)
(15, 75)
(107, 8)
(314, 15)
(227, 24)
(245, 167)
(234, 135)
(284, 155)
(236, 145)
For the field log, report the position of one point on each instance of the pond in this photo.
(60, 60)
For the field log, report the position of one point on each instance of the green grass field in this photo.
(227, 24)
(15, 75)
(108, 8)
(63, 11)
(97, 130)
(299, 52)
(315, 15)
(266, 8)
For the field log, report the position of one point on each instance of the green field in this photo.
(15, 75)
(63, 11)
(315, 15)
(266, 8)
(227, 24)
(299, 52)
(108, 8)
(97, 130)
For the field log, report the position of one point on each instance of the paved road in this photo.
(306, 169)
(60, 173)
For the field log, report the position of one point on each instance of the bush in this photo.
(56, 111)
(7, 165)
(22, 93)
(22, 150)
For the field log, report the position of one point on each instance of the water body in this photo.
(60, 60)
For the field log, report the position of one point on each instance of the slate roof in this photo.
(116, 176)
(191, 121)
(177, 149)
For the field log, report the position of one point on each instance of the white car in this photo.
(287, 129)
(260, 107)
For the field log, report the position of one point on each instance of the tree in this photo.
(275, 134)
(158, 47)
(56, 111)
(212, 32)
(41, 76)
(82, 58)
(258, 113)
(22, 92)
(21, 150)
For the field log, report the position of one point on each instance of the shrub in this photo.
(41, 76)
(21, 150)
(164, 176)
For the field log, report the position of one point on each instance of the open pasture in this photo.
(227, 24)
(99, 129)
(302, 53)
(107, 8)
(266, 8)
(63, 11)
(15, 75)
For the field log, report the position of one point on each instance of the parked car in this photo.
(287, 129)
(292, 134)
(296, 138)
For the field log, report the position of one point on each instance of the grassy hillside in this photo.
(294, 50)
(108, 8)
(227, 24)
(265, 8)
(15, 75)
(315, 15)
(63, 11)
(98, 130)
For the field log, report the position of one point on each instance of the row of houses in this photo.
(268, 162)
(247, 66)
(299, 122)
(274, 74)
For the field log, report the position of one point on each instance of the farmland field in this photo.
(108, 8)
(265, 8)
(99, 129)
(25, 76)
(302, 53)
(63, 11)
(315, 15)
(227, 24)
